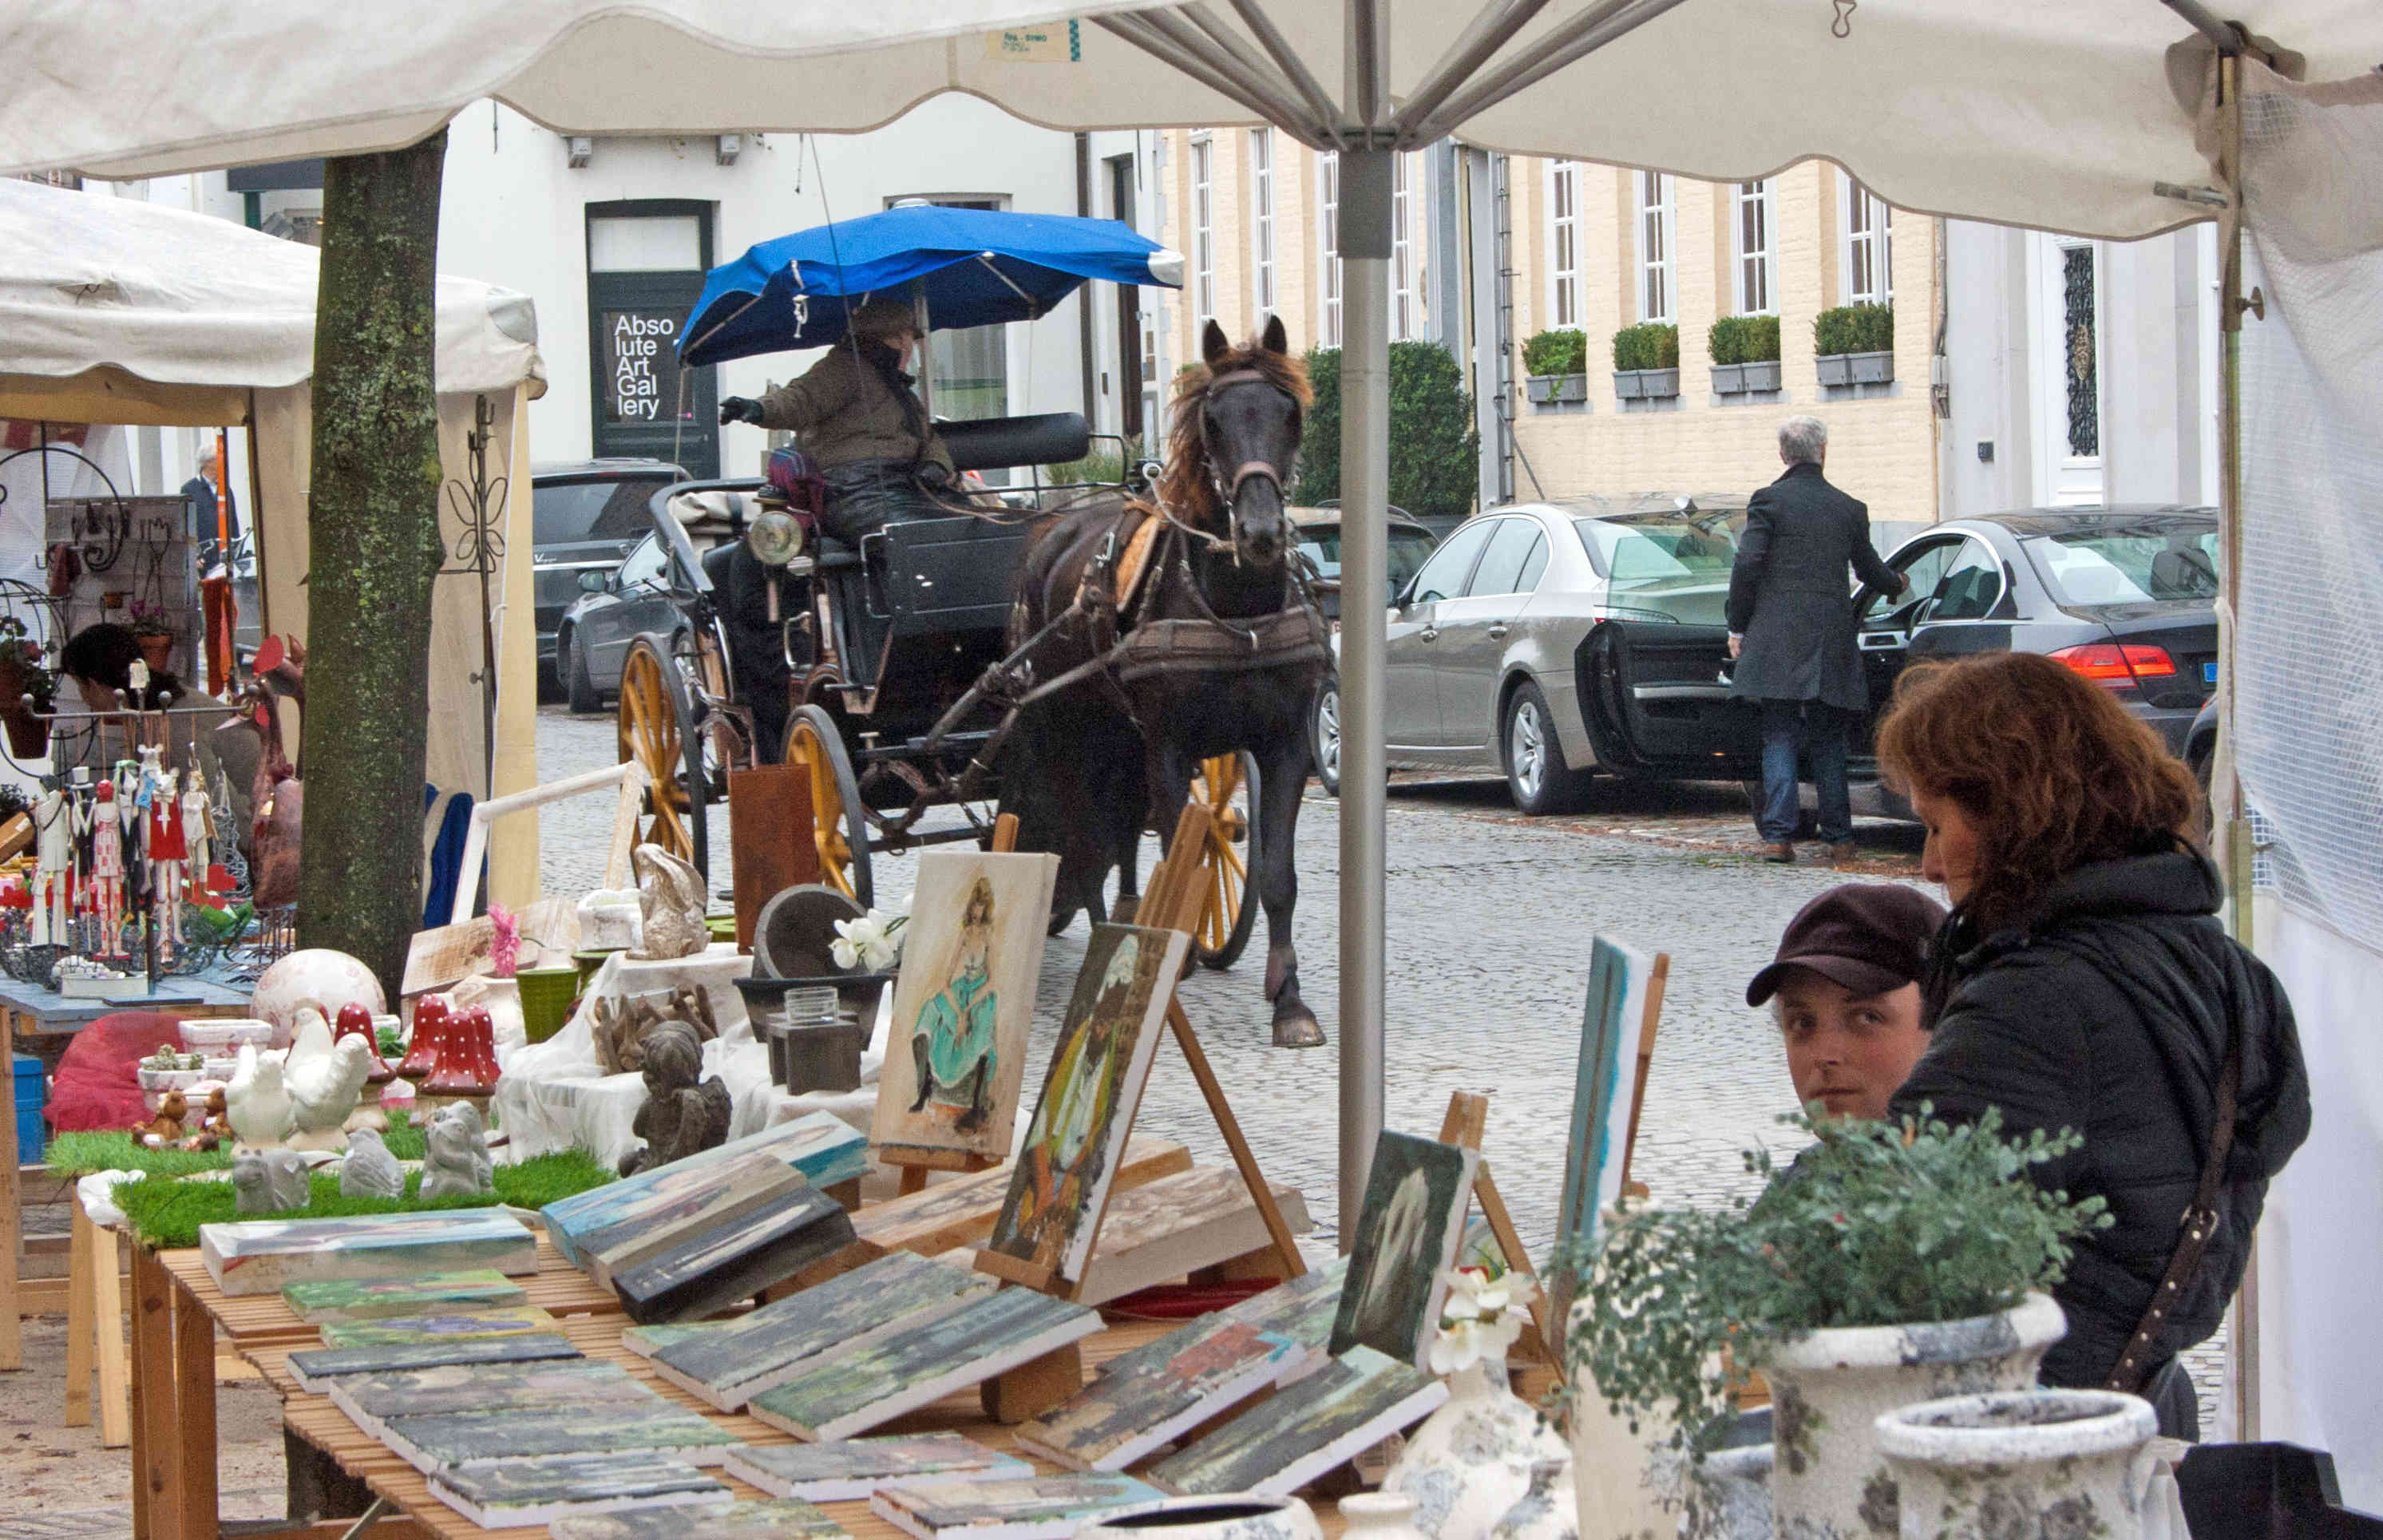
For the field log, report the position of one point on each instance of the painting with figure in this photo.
(1605, 1089)
(972, 952)
(1408, 1232)
(1070, 1159)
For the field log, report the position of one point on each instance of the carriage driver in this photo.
(855, 414)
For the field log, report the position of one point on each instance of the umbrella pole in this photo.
(1365, 576)
(926, 352)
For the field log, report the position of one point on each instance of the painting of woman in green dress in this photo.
(952, 1044)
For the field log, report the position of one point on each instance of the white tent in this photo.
(2093, 116)
(117, 311)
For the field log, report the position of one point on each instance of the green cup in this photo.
(546, 996)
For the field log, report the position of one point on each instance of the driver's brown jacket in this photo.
(842, 410)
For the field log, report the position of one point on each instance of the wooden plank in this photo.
(108, 1292)
(1015, 1270)
(1031, 1389)
(1467, 1118)
(955, 1214)
(769, 843)
(156, 1478)
(1176, 1226)
(194, 1415)
(1655, 981)
(82, 1332)
(12, 1330)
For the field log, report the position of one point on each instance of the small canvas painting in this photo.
(850, 1470)
(1089, 1092)
(819, 1145)
(516, 1493)
(445, 1326)
(1408, 1232)
(378, 1298)
(972, 952)
(1604, 1097)
(779, 1520)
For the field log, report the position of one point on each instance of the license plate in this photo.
(2209, 673)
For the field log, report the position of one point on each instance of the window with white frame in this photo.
(1655, 284)
(1328, 185)
(1868, 244)
(1752, 247)
(1261, 232)
(1563, 243)
(1204, 235)
(1406, 242)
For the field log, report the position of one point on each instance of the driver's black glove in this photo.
(740, 408)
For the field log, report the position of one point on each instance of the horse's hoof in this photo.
(1298, 1030)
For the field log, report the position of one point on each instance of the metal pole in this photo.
(1364, 582)
(926, 352)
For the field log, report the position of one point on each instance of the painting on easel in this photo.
(1086, 1110)
(963, 1002)
(1408, 1231)
(1622, 982)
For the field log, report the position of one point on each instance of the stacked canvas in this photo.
(368, 1398)
(406, 1330)
(703, 1270)
(1037, 1508)
(1142, 1398)
(318, 1369)
(262, 1256)
(852, 1469)
(821, 1147)
(729, 1364)
(604, 1420)
(1358, 1399)
(517, 1492)
(765, 1521)
(965, 1341)
(381, 1298)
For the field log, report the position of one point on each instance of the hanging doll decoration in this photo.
(167, 856)
(198, 830)
(106, 869)
(53, 867)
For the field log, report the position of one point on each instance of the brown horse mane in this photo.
(1187, 487)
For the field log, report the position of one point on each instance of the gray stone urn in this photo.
(2029, 1462)
(1829, 1388)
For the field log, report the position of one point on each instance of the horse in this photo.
(1092, 764)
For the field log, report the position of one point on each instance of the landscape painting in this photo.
(516, 1493)
(367, 1398)
(819, 1145)
(851, 1468)
(377, 1298)
(313, 1368)
(1118, 1418)
(1617, 1018)
(1065, 1169)
(705, 1272)
(1408, 1232)
(779, 1520)
(1039, 1508)
(956, 1053)
(263, 1256)
(444, 1440)
(500, 1321)
(1361, 1398)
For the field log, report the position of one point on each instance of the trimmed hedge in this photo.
(1854, 330)
(1562, 350)
(1743, 339)
(1435, 453)
(1649, 345)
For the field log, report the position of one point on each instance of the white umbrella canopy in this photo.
(2052, 113)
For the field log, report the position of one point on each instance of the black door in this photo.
(1655, 698)
(646, 263)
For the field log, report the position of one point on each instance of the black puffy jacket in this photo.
(2108, 1010)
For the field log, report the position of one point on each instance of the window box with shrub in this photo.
(1647, 361)
(1745, 352)
(1855, 344)
(1555, 365)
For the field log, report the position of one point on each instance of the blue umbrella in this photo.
(978, 266)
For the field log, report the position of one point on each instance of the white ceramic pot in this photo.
(2027, 1463)
(1471, 1461)
(1548, 1509)
(1625, 1481)
(1242, 1517)
(224, 1035)
(1828, 1387)
(1378, 1516)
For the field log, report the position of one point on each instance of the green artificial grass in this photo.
(79, 1154)
(165, 1214)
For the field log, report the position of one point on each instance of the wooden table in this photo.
(44, 1021)
(175, 1484)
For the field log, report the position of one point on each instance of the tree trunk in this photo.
(374, 552)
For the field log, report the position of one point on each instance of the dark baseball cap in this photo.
(1871, 937)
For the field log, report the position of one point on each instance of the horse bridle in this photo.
(1227, 491)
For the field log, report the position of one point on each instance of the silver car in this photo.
(1480, 672)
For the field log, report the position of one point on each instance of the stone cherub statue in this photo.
(672, 895)
(680, 1117)
(455, 1155)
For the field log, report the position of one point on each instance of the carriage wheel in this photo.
(1229, 787)
(839, 824)
(658, 728)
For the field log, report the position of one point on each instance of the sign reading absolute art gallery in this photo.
(645, 271)
(640, 384)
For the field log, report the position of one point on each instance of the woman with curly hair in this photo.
(2083, 981)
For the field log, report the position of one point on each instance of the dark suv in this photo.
(586, 515)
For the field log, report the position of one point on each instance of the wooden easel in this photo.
(1467, 1113)
(915, 1161)
(1173, 902)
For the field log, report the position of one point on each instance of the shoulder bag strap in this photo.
(2200, 1223)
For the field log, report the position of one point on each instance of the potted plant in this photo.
(1647, 360)
(157, 638)
(1555, 365)
(24, 673)
(1480, 1455)
(1855, 344)
(1894, 1265)
(1745, 352)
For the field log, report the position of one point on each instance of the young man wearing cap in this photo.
(1846, 977)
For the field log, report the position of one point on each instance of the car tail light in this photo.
(2116, 666)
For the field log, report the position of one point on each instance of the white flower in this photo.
(873, 942)
(1482, 1318)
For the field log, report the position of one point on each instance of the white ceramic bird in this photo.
(324, 1080)
(255, 1102)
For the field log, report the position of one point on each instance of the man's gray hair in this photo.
(1802, 440)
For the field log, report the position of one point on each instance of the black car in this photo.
(584, 516)
(2125, 596)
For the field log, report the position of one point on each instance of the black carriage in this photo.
(896, 632)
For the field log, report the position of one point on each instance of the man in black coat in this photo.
(200, 493)
(1791, 629)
